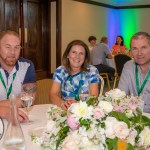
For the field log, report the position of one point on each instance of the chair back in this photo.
(120, 60)
(43, 90)
(101, 86)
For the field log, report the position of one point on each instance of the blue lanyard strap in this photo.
(10, 88)
(140, 89)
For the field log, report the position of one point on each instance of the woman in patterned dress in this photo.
(74, 77)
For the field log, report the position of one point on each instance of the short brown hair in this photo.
(91, 38)
(65, 60)
(104, 39)
(9, 32)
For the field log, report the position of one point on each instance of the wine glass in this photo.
(27, 96)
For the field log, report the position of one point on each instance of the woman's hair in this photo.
(91, 38)
(122, 42)
(65, 60)
(140, 35)
(8, 32)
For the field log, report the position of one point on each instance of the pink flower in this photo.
(132, 107)
(118, 109)
(72, 122)
(98, 113)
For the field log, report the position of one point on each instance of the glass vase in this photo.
(13, 137)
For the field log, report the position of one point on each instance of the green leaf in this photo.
(121, 117)
(112, 143)
(85, 122)
(62, 134)
(91, 101)
(130, 147)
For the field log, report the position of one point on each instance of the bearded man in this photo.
(14, 70)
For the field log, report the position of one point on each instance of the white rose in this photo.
(144, 137)
(121, 130)
(51, 125)
(71, 142)
(131, 137)
(109, 130)
(106, 106)
(115, 94)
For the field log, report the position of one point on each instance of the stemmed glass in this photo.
(27, 96)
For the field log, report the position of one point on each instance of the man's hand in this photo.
(5, 111)
(22, 116)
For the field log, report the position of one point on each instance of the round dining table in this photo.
(37, 114)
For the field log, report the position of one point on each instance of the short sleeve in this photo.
(30, 74)
(60, 74)
(93, 74)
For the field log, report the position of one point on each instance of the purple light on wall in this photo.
(113, 26)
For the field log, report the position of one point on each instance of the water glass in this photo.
(83, 96)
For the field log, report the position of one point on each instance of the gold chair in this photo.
(101, 88)
(119, 60)
(105, 76)
(43, 89)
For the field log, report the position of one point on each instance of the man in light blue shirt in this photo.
(98, 57)
(135, 77)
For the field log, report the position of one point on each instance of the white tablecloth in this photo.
(110, 62)
(38, 115)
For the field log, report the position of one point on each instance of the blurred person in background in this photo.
(92, 41)
(119, 46)
(98, 57)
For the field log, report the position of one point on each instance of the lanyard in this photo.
(10, 88)
(140, 89)
(76, 94)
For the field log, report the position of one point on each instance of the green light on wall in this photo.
(128, 19)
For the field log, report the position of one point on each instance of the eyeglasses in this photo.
(9, 47)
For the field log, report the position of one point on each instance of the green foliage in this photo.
(121, 117)
(91, 101)
(85, 122)
(112, 143)
(62, 134)
(130, 147)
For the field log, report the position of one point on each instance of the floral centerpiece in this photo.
(97, 124)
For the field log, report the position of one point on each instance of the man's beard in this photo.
(9, 60)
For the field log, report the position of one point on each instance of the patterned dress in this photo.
(73, 85)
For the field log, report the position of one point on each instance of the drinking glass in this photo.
(83, 96)
(27, 97)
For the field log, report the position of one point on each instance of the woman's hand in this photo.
(66, 104)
